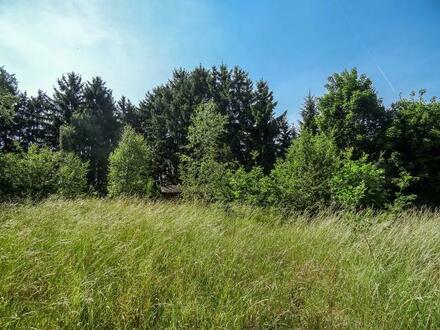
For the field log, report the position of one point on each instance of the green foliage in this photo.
(8, 102)
(93, 131)
(403, 200)
(40, 172)
(31, 174)
(130, 167)
(253, 133)
(309, 112)
(69, 96)
(8, 82)
(413, 146)
(7, 114)
(205, 132)
(203, 172)
(205, 179)
(287, 133)
(7, 108)
(72, 176)
(250, 187)
(264, 129)
(358, 184)
(43, 122)
(128, 114)
(82, 117)
(302, 180)
(33, 121)
(352, 114)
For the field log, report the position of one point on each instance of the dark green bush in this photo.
(413, 148)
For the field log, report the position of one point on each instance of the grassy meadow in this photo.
(133, 264)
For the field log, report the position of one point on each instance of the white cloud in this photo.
(40, 40)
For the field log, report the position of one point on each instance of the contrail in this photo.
(386, 78)
(361, 42)
(367, 50)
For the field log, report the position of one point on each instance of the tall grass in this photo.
(131, 264)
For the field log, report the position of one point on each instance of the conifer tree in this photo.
(165, 115)
(44, 122)
(264, 127)
(239, 117)
(286, 133)
(127, 114)
(93, 131)
(68, 95)
(309, 113)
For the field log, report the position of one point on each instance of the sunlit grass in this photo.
(132, 264)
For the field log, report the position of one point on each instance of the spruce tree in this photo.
(286, 133)
(155, 117)
(127, 113)
(239, 117)
(309, 112)
(68, 95)
(165, 115)
(44, 126)
(93, 131)
(264, 127)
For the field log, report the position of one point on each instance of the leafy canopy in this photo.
(130, 166)
(203, 171)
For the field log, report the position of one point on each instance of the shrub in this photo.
(358, 184)
(31, 174)
(206, 179)
(402, 199)
(72, 176)
(302, 179)
(40, 172)
(251, 187)
(130, 166)
(6, 184)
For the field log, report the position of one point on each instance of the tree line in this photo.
(215, 132)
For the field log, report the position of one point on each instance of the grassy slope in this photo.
(125, 264)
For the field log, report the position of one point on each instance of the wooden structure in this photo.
(170, 191)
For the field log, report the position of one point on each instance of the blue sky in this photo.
(294, 45)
